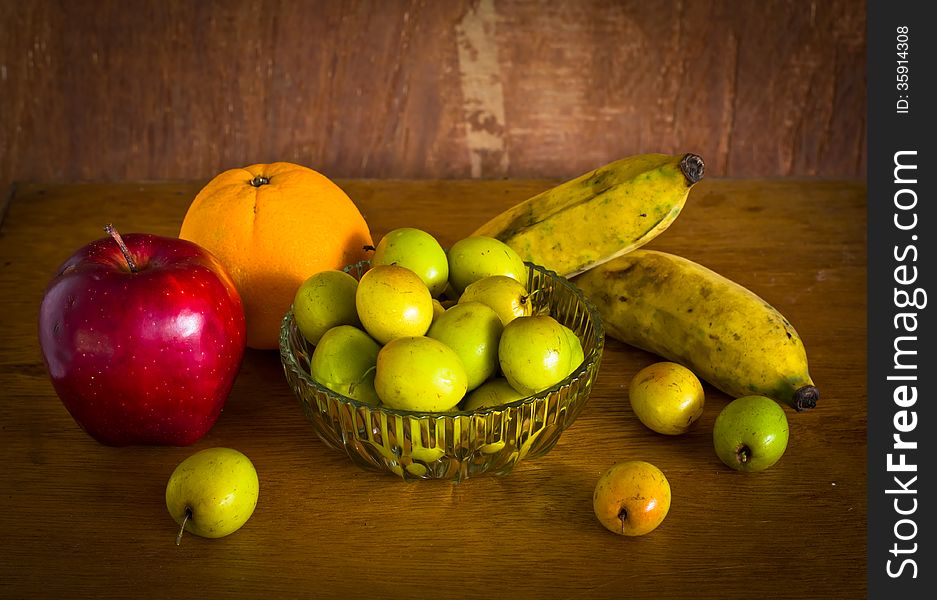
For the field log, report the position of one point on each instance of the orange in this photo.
(272, 226)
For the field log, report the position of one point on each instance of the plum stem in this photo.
(185, 519)
(364, 376)
(112, 231)
(623, 517)
(354, 384)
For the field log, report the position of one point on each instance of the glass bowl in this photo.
(459, 444)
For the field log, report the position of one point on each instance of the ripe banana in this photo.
(686, 313)
(600, 215)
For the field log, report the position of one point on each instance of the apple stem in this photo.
(744, 454)
(623, 517)
(185, 519)
(112, 231)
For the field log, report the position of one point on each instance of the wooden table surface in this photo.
(83, 520)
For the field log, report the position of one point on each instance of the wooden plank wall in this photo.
(182, 89)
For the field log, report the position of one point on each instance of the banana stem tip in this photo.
(692, 167)
(805, 398)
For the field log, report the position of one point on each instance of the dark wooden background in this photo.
(173, 89)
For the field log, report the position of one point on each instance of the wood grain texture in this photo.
(173, 89)
(82, 520)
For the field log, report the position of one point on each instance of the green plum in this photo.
(508, 297)
(494, 392)
(420, 373)
(478, 256)
(324, 300)
(534, 353)
(751, 433)
(392, 301)
(473, 330)
(418, 251)
(212, 493)
(344, 361)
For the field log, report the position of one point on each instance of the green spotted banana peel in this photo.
(686, 313)
(600, 215)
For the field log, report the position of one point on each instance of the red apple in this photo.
(143, 337)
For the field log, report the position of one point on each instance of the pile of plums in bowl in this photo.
(441, 364)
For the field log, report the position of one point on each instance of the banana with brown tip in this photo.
(689, 314)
